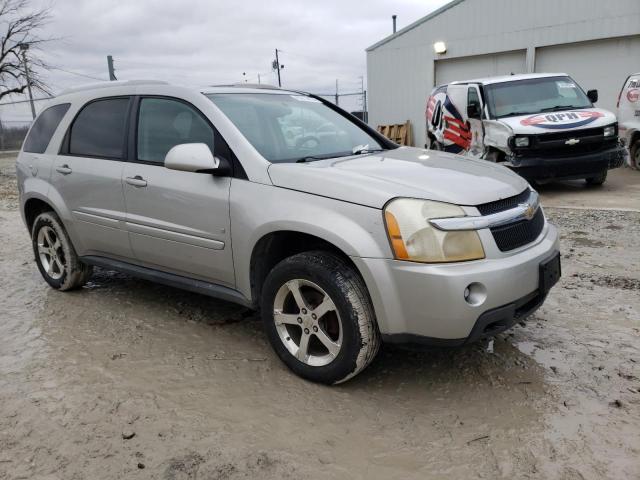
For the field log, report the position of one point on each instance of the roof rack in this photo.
(113, 84)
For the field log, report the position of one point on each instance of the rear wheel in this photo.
(598, 179)
(319, 318)
(55, 256)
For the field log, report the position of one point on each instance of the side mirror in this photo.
(197, 158)
(592, 95)
(473, 111)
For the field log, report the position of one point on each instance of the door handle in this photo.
(136, 181)
(64, 169)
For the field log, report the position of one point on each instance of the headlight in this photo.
(521, 141)
(609, 131)
(413, 238)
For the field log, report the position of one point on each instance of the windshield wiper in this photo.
(355, 151)
(515, 114)
(560, 107)
(364, 149)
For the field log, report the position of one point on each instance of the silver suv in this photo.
(280, 201)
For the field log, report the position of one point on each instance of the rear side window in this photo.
(44, 127)
(99, 129)
(164, 123)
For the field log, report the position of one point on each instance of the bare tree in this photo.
(19, 27)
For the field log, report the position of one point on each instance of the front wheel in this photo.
(598, 179)
(319, 318)
(634, 153)
(55, 256)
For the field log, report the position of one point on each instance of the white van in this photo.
(543, 126)
(629, 117)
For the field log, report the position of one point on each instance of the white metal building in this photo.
(597, 42)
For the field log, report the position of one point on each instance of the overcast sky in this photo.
(204, 42)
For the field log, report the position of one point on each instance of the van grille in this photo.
(514, 235)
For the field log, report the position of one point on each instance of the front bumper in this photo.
(567, 167)
(419, 303)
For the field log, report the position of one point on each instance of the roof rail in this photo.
(113, 84)
(264, 86)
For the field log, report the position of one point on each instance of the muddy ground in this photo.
(127, 379)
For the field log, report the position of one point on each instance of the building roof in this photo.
(509, 78)
(415, 24)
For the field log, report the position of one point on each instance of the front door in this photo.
(87, 174)
(177, 221)
(476, 128)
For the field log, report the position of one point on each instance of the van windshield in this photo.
(293, 127)
(534, 95)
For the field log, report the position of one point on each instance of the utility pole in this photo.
(364, 99)
(276, 65)
(258, 79)
(112, 71)
(336, 91)
(23, 48)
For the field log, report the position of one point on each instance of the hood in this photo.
(566, 120)
(375, 179)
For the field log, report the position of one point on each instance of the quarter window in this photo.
(44, 127)
(99, 129)
(164, 123)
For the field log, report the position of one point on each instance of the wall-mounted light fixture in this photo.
(440, 48)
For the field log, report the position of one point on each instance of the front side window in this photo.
(164, 123)
(291, 127)
(44, 127)
(534, 95)
(99, 129)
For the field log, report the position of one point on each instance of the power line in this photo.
(79, 74)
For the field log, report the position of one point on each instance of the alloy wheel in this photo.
(50, 253)
(308, 322)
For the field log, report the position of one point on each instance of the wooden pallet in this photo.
(399, 133)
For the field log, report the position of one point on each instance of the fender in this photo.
(52, 197)
(289, 210)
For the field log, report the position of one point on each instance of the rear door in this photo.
(178, 221)
(88, 176)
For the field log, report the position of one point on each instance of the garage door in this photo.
(601, 64)
(466, 68)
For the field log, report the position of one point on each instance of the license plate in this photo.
(550, 272)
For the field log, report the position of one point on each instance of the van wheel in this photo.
(597, 180)
(319, 318)
(634, 153)
(55, 256)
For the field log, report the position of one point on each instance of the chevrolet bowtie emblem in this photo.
(530, 212)
(572, 141)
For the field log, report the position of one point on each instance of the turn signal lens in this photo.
(413, 238)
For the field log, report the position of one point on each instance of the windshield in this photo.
(290, 128)
(534, 95)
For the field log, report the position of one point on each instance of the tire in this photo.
(435, 145)
(56, 258)
(597, 180)
(634, 155)
(350, 329)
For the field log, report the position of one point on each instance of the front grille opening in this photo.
(503, 204)
(514, 235)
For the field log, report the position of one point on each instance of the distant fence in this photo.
(15, 120)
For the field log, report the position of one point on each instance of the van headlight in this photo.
(521, 142)
(609, 131)
(413, 238)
